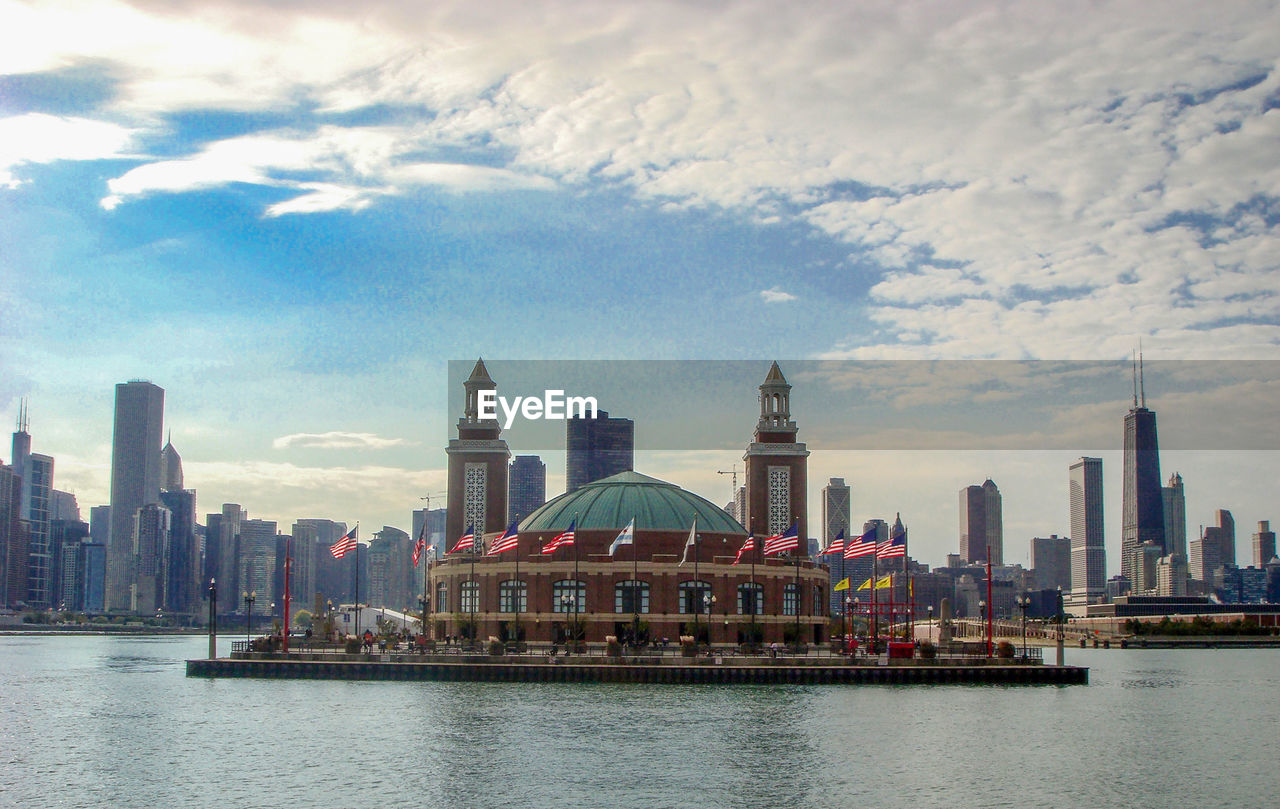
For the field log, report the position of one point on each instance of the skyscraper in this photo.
(1088, 555)
(1143, 504)
(135, 479)
(36, 472)
(1264, 544)
(258, 561)
(170, 467)
(13, 540)
(1174, 501)
(183, 591)
(150, 539)
(528, 486)
(1223, 539)
(981, 524)
(597, 448)
(1051, 562)
(836, 505)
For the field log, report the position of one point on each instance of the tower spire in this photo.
(1135, 380)
(1142, 385)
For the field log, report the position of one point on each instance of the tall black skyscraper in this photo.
(1143, 503)
(598, 448)
(528, 486)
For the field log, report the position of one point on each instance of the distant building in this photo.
(527, 486)
(478, 458)
(981, 524)
(1202, 560)
(1142, 503)
(1051, 562)
(391, 571)
(597, 448)
(836, 505)
(67, 578)
(1117, 586)
(1238, 585)
(1088, 553)
(333, 578)
(185, 582)
(227, 545)
(170, 468)
(776, 464)
(1174, 499)
(63, 506)
(1264, 544)
(148, 562)
(1171, 575)
(1225, 535)
(135, 481)
(1149, 557)
(258, 562)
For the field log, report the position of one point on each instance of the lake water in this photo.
(112, 721)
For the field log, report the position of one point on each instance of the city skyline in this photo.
(291, 220)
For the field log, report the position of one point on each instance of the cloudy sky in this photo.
(292, 217)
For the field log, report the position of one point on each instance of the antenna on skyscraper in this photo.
(1142, 385)
(1135, 379)
(23, 417)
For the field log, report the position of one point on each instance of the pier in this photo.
(668, 670)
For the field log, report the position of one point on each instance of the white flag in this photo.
(627, 537)
(692, 542)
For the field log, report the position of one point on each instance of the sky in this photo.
(293, 217)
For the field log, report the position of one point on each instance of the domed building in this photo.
(657, 586)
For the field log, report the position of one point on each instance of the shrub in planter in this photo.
(351, 645)
(1004, 649)
(495, 646)
(687, 647)
(612, 647)
(927, 650)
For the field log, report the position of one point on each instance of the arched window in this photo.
(790, 599)
(469, 597)
(820, 606)
(442, 596)
(565, 596)
(631, 596)
(513, 596)
(750, 599)
(693, 596)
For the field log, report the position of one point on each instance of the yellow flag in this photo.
(866, 585)
(884, 583)
(843, 584)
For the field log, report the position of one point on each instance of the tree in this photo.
(303, 619)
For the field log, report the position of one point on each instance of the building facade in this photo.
(981, 524)
(1088, 553)
(776, 465)
(1051, 562)
(478, 457)
(135, 481)
(597, 448)
(528, 487)
(1142, 505)
(837, 500)
(1264, 544)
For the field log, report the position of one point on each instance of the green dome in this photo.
(611, 503)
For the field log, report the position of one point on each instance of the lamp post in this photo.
(708, 603)
(846, 623)
(853, 627)
(213, 618)
(249, 598)
(1024, 601)
(285, 631)
(930, 623)
(568, 602)
(982, 613)
(1061, 619)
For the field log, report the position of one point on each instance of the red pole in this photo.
(991, 605)
(285, 642)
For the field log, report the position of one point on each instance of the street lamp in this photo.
(568, 603)
(982, 613)
(845, 622)
(930, 623)
(213, 618)
(708, 601)
(1024, 601)
(249, 598)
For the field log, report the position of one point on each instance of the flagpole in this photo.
(519, 591)
(635, 586)
(284, 643)
(910, 605)
(576, 598)
(875, 606)
(697, 601)
(355, 575)
(798, 599)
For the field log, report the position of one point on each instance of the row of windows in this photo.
(695, 597)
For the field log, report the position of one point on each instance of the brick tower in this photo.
(776, 465)
(477, 467)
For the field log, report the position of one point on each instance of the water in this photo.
(113, 721)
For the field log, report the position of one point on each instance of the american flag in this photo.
(563, 538)
(421, 544)
(421, 548)
(467, 542)
(510, 538)
(895, 546)
(749, 545)
(345, 544)
(837, 544)
(864, 545)
(789, 541)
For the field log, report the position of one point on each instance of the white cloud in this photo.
(1012, 171)
(336, 440)
(776, 295)
(39, 138)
